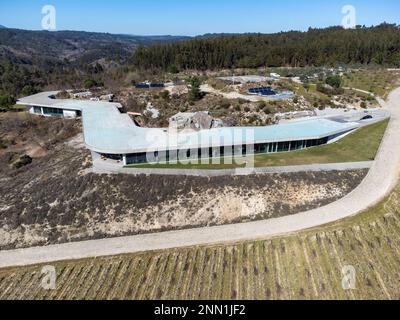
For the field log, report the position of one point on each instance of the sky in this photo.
(191, 17)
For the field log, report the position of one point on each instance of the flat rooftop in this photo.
(107, 130)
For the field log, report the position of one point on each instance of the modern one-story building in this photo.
(113, 134)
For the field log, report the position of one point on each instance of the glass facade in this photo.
(54, 112)
(185, 155)
(37, 110)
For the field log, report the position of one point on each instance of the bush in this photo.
(91, 83)
(3, 145)
(261, 105)
(173, 69)
(23, 161)
(28, 91)
(63, 95)
(195, 93)
(225, 104)
(217, 84)
(329, 90)
(334, 81)
(165, 95)
(6, 102)
(267, 110)
(363, 105)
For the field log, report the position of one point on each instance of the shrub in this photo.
(28, 90)
(363, 105)
(225, 104)
(334, 81)
(6, 102)
(267, 110)
(261, 105)
(91, 83)
(3, 145)
(165, 95)
(195, 93)
(173, 69)
(23, 161)
(62, 95)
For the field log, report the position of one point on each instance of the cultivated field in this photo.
(301, 266)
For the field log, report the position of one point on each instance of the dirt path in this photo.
(381, 179)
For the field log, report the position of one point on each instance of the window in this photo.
(37, 110)
(53, 112)
(296, 145)
(136, 158)
(283, 146)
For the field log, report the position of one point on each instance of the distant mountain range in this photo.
(34, 59)
(42, 47)
(2, 27)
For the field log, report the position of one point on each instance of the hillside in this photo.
(308, 265)
(35, 59)
(71, 46)
(317, 47)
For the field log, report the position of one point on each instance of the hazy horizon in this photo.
(184, 35)
(178, 18)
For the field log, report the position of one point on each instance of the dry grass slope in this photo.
(306, 265)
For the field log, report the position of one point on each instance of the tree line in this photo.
(378, 45)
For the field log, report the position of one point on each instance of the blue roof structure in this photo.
(270, 93)
(107, 130)
(262, 91)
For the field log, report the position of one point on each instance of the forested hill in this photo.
(34, 59)
(71, 46)
(316, 47)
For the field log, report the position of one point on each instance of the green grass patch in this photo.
(362, 145)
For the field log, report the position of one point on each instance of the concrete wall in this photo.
(69, 114)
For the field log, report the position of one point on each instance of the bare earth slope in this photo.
(379, 182)
(54, 200)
